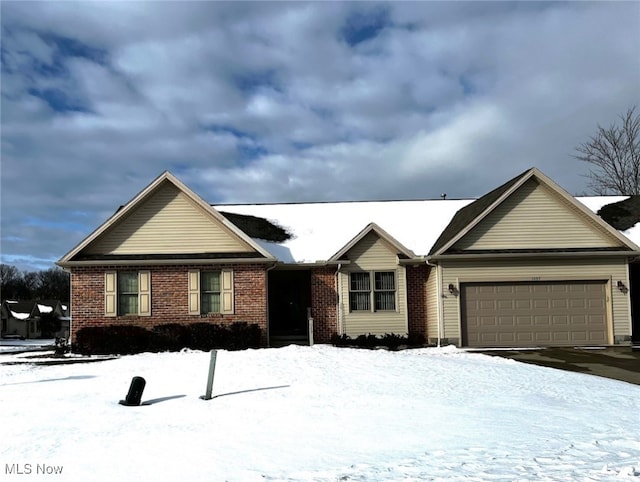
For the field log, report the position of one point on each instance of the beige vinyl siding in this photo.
(610, 270)
(432, 304)
(374, 254)
(168, 222)
(536, 217)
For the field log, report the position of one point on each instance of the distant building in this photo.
(24, 319)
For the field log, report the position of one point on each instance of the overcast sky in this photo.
(281, 102)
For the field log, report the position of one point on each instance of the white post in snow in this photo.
(310, 320)
(212, 372)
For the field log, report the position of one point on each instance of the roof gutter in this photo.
(562, 254)
(415, 260)
(157, 262)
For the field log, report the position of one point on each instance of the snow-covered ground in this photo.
(15, 344)
(321, 413)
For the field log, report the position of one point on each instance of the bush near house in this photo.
(128, 340)
(389, 340)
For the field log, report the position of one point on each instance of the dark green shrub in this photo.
(393, 341)
(111, 340)
(169, 337)
(389, 340)
(206, 336)
(242, 335)
(340, 340)
(125, 340)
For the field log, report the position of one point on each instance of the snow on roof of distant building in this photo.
(45, 308)
(20, 316)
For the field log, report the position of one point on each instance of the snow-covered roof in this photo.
(45, 308)
(319, 230)
(20, 316)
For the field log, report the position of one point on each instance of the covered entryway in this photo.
(528, 314)
(289, 300)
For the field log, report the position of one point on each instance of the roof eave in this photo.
(157, 262)
(412, 261)
(560, 254)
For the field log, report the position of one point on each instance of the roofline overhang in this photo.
(411, 261)
(158, 262)
(563, 254)
(284, 265)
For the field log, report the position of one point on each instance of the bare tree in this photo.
(614, 153)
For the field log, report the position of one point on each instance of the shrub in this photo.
(340, 340)
(243, 335)
(389, 340)
(111, 340)
(170, 336)
(125, 340)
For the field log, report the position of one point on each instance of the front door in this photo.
(289, 298)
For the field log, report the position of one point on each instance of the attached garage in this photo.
(519, 314)
(527, 265)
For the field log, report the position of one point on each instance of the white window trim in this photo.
(372, 291)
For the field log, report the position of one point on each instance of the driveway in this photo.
(619, 363)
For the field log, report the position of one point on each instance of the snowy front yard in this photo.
(320, 413)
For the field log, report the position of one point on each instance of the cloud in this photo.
(296, 101)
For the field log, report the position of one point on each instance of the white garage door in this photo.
(534, 314)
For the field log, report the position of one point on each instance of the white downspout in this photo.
(266, 283)
(439, 305)
(338, 305)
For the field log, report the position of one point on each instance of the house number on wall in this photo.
(535, 278)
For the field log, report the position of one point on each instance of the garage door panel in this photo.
(526, 314)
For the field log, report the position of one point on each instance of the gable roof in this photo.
(166, 177)
(316, 232)
(27, 309)
(471, 215)
(320, 229)
(374, 228)
(21, 310)
(465, 216)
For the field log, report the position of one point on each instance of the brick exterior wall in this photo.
(323, 304)
(417, 298)
(169, 297)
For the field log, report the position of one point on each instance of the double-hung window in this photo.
(360, 292)
(384, 291)
(372, 291)
(211, 292)
(127, 293)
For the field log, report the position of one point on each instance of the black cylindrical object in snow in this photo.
(135, 392)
